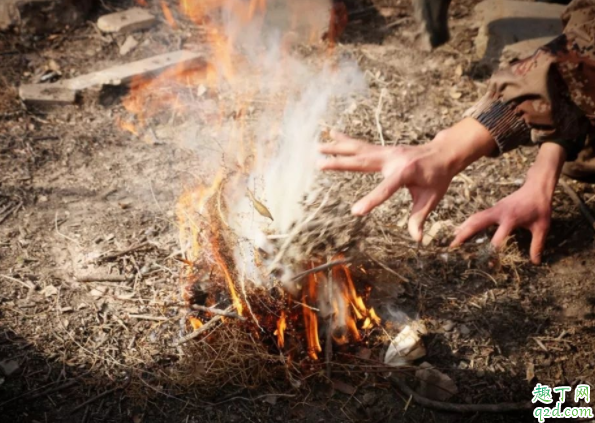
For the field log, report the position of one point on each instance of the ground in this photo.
(80, 196)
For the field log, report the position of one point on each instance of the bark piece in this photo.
(123, 74)
(46, 94)
(129, 20)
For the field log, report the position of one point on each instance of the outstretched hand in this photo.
(425, 170)
(530, 207)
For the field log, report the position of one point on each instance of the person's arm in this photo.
(530, 207)
(425, 170)
(549, 96)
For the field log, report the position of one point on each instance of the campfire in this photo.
(268, 242)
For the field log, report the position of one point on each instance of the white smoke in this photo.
(291, 94)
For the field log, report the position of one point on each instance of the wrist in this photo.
(462, 144)
(545, 172)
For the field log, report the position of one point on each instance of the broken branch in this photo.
(321, 268)
(217, 311)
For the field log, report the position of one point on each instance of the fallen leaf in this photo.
(434, 384)
(343, 387)
(260, 208)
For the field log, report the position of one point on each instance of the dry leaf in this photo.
(343, 387)
(260, 208)
(434, 384)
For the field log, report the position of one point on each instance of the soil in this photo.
(79, 196)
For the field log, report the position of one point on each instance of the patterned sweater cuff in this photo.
(506, 126)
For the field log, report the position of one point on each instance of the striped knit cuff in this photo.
(506, 126)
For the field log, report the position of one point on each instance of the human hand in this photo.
(530, 207)
(425, 170)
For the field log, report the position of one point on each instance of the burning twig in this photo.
(580, 203)
(217, 311)
(320, 268)
(201, 329)
(295, 232)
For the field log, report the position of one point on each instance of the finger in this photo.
(501, 234)
(474, 224)
(422, 206)
(343, 145)
(539, 236)
(378, 195)
(365, 163)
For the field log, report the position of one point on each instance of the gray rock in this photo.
(504, 22)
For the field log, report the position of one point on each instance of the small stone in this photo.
(464, 330)
(49, 290)
(128, 45)
(42, 199)
(46, 94)
(448, 325)
(9, 367)
(129, 20)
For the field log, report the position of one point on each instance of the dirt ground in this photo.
(80, 196)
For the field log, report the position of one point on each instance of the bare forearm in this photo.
(463, 143)
(546, 169)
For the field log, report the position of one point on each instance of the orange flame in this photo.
(281, 326)
(309, 296)
(195, 322)
(169, 17)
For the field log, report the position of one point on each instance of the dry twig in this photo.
(217, 311)
(103, 278)
(321, 268)
(201, 329)
(579, 202)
